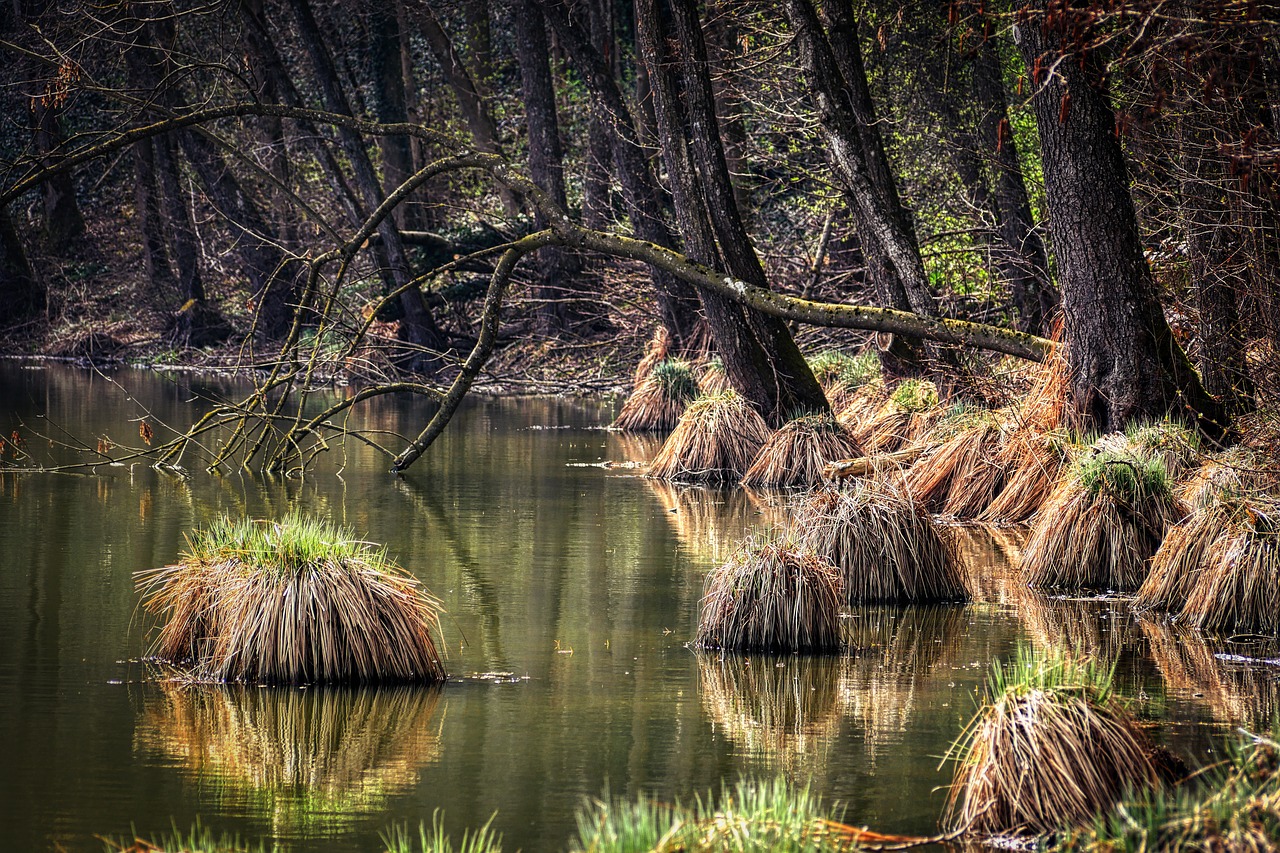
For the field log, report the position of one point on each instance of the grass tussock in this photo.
(712, 379)
(1102, 524)
(860, 405)
(795, 455)
(655, 352)
(1050, 746)
(1237, 590)
(1181, 558)
(964, 474)
(751, 817)
(908, 414)
(1045, 406)
(1234, 808)
(715, 441)
(771, 596)
(292, 601)
(1171, 443)
(1033, 463)
(885, 545)
(1238, 470)
(659, 399)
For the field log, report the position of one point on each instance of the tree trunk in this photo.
(557, 269)
(1125, 365)
(63, 222)
(21, 293)
(418, 326)
(760, 356)
(597, 207)
(677, 301)
(1022, 257)
(390, 100)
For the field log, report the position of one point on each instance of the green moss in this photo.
(915, 395)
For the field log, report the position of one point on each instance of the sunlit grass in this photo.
(434, 839)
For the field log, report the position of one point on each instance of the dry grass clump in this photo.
(772, 595)
(1237, 470)
(909, 412)
(659, 399)
(712, 379)
(796, 454)
(1181, 558)
(1033, 463)
(1175, 446)
(1102, 525)
(1238, 588)
(1044, 408)
(841, 375)
(885, 545)
(1050, 747)
(963, 475)
(292, 601)
(860, 405)
(715, 441)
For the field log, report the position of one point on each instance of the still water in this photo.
(571, 591)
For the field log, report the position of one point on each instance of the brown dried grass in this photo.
(795, 455)
(658, 401)
(962, 476)
(1101, 526)
(1033, 463)
(772, 595)
(715, 441)
(294, 601)
(655, 352)
(1181, 558)
(1051, 747)
(885, 545)
(712, 379)
(861, 405)
(1239, 470)
(1239, 590)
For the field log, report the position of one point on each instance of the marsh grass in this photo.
(1050, 746)
(715, 441)
(908, 414)
(885, 546)
(1033, 463)
(771, 596)
(291, 601)
(436, 840)
(1181, 557)
(860, 405)
(659, 399)
(771, 816)
(1237, 471)
(1171, 443)
(1238, 589)
(964, 474)
(1102, 524)
(1233, 808)
(795, 455)
(712, 379)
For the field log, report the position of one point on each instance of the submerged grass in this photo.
(1102, 524)
(796, 454)
(1050, 746)
(291, 601)
(771, 596)
(885, 545)
(659, 399)
(715, 441)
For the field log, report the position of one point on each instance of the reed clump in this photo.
(715, 441)
(291, 601)
(771, 596)
(961, 476)
(199, 839)
(795, 455)
(1102, 524)
(436, 840)
(712, 379)
(1238, 589)
(659, 399)
(884, 544)
(1033, 463)
(1051, 746)
(1238, 470)
(909, 412)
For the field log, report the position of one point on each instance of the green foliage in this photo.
(854, 371)
(915, 395)
(1125, 476)
(292, 546)
(675, 378)
(1055, 670)
(199, 839)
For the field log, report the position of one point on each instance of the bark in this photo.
(146, 202)
(1125, 365)
(390, 99)
(63, 222)
(418, 326)
(597, 207)
(677, 302)
(557, 269)
(760, 357)
(1023, 261)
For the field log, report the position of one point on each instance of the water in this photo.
(577, 581)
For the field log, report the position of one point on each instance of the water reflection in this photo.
(786, 711)
(898, 651)
(710, 522)
(1215, 674)
(301, 758)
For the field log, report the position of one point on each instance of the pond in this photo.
(572, 589)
